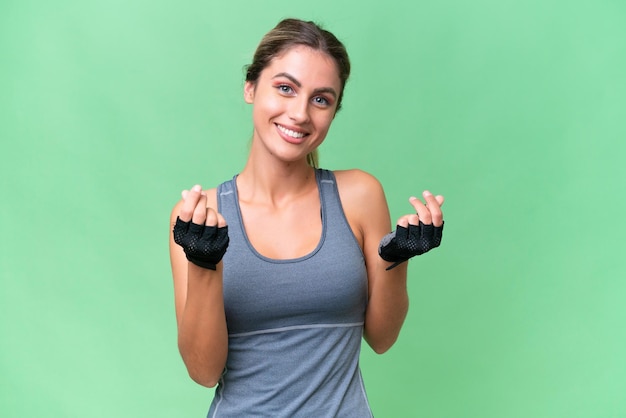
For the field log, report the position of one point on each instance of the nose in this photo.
(299, 109)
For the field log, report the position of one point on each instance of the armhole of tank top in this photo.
(337, 196)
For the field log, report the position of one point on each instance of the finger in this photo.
(413, 219)
(221, 222)
(439, 199)
(422, 211)
(434, 208)
(200, 211)
(190, 201)
(211, 217)
(404, 220)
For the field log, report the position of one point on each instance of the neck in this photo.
(274, 184)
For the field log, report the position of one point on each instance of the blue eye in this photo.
(283, 88)
(322, 101)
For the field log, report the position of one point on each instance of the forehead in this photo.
(307, 65)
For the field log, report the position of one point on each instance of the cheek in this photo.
(268, 107)
(324, 121)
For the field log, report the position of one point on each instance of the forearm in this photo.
(202, 331)
(387, 309)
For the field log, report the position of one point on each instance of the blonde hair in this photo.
(313, 158)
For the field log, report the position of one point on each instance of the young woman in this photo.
(280, 272)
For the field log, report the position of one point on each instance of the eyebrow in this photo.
(295, 81)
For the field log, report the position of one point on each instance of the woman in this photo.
(307, 254)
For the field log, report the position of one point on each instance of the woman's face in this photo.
(295, 100)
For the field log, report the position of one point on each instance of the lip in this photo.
(289, 138)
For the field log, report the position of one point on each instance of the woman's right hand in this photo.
(198, 239)
(202, 232)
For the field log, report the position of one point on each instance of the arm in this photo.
(202, 332)
(388, 297)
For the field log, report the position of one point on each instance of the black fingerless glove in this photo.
(403, 243)
(204, 245)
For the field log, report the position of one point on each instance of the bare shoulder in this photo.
(358, 186)
(364, 204)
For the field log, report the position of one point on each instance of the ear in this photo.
(248, 92)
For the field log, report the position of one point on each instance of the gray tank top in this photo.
(295, 326)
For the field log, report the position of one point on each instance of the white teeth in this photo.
(291, 133)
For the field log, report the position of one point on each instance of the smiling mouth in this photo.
(290, 133)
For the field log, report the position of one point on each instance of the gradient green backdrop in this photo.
(514, 110)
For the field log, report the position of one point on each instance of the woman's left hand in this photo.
(415, 233)
(429, 213)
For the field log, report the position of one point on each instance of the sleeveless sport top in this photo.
(295, 326)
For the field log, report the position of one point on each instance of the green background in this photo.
(514, 110)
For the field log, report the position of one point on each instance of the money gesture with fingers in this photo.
(201, 231)
(416, 233)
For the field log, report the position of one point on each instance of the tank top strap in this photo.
(332, 209)
(226, 194)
